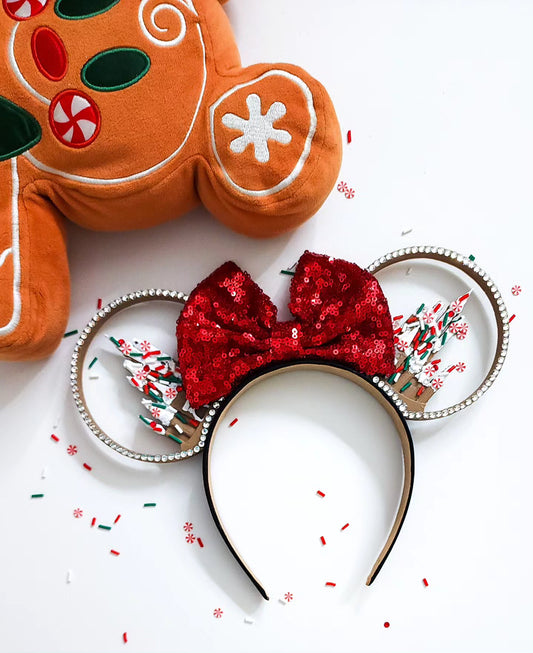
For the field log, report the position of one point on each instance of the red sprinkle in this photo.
(512, 318)
(125, 638)
(152, 353)
(234, 422)
(386, 624)
(349, 136)
(425, 582)
(200, 542)
(117, 518)
(93, 522)
(99, 304)
(87, 466)
(115, 553)
(320, 494)
(54, 438)
(331, 584)
(323, 539)
(345, 526)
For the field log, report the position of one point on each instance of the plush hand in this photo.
(122, 114)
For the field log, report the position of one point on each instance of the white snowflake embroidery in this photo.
(258, 129)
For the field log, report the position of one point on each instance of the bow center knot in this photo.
(286, 340)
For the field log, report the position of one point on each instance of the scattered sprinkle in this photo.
(329, 584)
(406, 231)
(323, 540)
(54, 437)
(77, 512)
(217, 613)
(288, 597)
(349, 136)
(87, 466)
(460, 367)
(115, 553)
(69, 576)
(425, 582)
(125, 637)
(289, 272)
(320, 494)
(187, 526)
(349, 194)
(93, 362)
(93, 522)
(512, 318)
(386, 624)
(70, 333)
(99, 304)
(72, 449)
(409, 270)
(249, 620)
(200, 542)
(93, 377)
(472, 257)
(516, 290)
(190, 538)
(282, 601)
(150, 505)
(345, 527)
(116, 519)
(234, 422)
(104, 528)
(43, 473)
(37, 496)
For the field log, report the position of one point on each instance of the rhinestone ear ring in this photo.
(194, 444)
(466, 264)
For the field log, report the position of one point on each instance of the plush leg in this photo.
(34, 278)
(274, 149)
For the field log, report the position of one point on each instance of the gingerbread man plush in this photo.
(122, 114)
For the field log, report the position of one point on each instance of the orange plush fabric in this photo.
(122, 114)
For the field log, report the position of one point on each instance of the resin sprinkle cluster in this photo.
(420, 337)
(157, 376)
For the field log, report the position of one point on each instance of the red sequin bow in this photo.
(229, 327)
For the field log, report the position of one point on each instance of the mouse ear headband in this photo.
(229, 339)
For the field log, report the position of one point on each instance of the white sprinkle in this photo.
(69, 576)
(92, 377)
(43, 473)
(407, 231)
(282, 601)
(249, 620)
(409, 271)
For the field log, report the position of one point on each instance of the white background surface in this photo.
(439, 100)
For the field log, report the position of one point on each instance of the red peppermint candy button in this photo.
(23, 9)
(74, 118)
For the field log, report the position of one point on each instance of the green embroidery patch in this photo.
(19, 131)
(79, 9)
(115, 69)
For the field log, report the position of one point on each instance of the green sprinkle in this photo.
(181, 418)
(173, 437)
(156, 405)
(170, 379)
(444, 337)
(70, 333)
(424, 355)
(153, 395)
(143, 419)
(391, 378)
(37, 496)
(163, 358)
(445, 320)
(104, 528)
(406, 386)
(288, 272)
(114, 341)
(429, 339)
(135, 353)
(472, 257)
(406, 363)
(420, 309)
(150, 505)
(93, 362)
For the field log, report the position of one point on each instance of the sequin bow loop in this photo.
(229, 327)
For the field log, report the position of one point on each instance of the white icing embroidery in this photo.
(295, 173)
(15, 252)
(258, 129)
